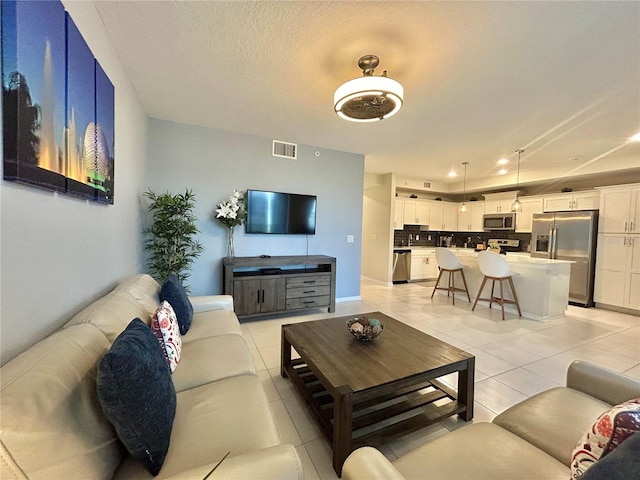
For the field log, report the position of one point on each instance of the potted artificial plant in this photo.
(170, 239)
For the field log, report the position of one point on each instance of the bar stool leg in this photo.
(437, 282)
(493, 286)
(464, 280)
(502, 297)
(484, 280)
(452, 277)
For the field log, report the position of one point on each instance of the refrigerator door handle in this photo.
(553, 246)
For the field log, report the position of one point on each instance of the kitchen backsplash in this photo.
(421, 238)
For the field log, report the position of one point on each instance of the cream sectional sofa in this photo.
(52, 425)
(531, 440)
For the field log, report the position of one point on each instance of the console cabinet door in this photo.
(259, 296)
(246, 296)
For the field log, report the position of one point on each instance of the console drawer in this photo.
(308, 302)
(312, 291)
(308, 281)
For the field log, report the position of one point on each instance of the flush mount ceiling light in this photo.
(368, 98)
(516, 206)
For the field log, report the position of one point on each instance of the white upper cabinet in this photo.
(416, 212)
(524, 219)
(562, 202)
(471, 220)
(620, 209)
(498, 202)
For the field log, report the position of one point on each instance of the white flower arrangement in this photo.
(232, 212)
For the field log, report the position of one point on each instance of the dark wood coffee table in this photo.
(366, 393)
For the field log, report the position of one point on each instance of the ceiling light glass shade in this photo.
(516, 206)
(368, 99)
(463, 208)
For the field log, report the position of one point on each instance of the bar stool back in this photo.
(496, 268)
(448, 262)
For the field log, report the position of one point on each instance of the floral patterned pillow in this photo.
(610, 430)
(165, 327)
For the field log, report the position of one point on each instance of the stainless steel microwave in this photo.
(499, 221)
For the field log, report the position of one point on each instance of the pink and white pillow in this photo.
(164, 325)
(610, 430)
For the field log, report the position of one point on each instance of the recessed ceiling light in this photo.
(502, 171)
(452, 174)
(503, 161)
(636, 137)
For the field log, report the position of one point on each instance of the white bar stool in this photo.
(494, 267)
(448, 262)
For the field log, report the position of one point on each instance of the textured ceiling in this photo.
(481, 79)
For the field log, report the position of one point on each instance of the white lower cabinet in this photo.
(617, 280)
(423, 265)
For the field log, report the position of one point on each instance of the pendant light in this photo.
(516, 206)
(368, 98)
(463, 207)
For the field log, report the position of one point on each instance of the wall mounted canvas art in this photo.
(58, 104)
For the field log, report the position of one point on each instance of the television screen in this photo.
(274, 212)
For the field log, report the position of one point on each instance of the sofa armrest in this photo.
(274, 463)
(367, 463)
(206, 303)
(606, 385)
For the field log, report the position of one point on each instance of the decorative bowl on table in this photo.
(365, 329)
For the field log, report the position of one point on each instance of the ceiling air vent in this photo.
(285, 150)
(426, 184)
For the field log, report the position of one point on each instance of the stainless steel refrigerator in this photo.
(569, 236)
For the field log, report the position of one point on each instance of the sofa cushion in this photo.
(621, 464)
(111, 314)
(230, 415)
(143, 289)
(137, 396)
(164, 326)
(52, 423)
(210, 359)
(553, 420)
(610, 429)
(479, 451)
(173, 292)
(211, 324)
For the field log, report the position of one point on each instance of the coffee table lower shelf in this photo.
(372, 417)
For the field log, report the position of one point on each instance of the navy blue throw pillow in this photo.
(137, 394)
(623, 463)
(173, 292)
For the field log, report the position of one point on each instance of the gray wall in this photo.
(58, 253)
(212, 163)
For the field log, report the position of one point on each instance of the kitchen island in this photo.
(542, 285)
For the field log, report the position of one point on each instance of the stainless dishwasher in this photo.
(401, 266)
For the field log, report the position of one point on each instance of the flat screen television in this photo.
(281, 213)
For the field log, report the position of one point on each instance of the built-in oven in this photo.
(499, 221)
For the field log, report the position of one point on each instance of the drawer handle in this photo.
(309, 302)
(309, 291)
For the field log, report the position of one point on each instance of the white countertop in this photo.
(521, 258)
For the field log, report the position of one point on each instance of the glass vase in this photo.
(230, 247)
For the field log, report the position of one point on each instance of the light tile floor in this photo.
(515, 358)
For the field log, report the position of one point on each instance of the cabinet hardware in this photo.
(309, 302)
(309, 281)
(262, 296)
(624, 243)
(309, 291)
(625, 226)
(258, 296)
